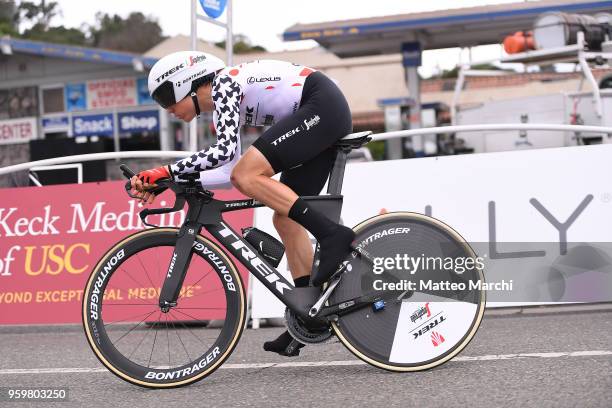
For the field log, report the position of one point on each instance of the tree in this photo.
(8, 18)
(136, 33)
(32, 20)
(242, 45)
(38, 17)
(60, 35)
(38, 14)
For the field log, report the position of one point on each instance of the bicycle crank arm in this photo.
(314, 310)
(181, 257)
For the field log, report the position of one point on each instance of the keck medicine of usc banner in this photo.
(52, 237)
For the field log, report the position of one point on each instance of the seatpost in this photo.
(336, 176)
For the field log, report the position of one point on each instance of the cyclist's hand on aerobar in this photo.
(147, 179)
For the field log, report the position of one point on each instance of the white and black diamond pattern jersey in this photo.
(257, 93)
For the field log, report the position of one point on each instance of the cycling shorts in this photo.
(301, 145)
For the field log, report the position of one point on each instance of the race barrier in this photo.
(51, 238)
(546, 202)
(505, 197)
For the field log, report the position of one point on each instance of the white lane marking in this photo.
(532, 355)
(52, 370)
(491, 357)
(295, 364)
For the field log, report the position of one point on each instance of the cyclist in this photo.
(307, 113)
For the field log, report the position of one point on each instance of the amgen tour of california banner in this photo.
(51, 238)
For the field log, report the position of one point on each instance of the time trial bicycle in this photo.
(146, 299)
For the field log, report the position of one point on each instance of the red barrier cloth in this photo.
(52, 237)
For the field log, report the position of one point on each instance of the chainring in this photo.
(301, 333)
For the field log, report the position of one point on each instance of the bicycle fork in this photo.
(177, 270)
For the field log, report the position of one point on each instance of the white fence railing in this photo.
(494, 127)
(147, 154)
(379, 136)
(77, 166)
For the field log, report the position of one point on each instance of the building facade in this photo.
(50, 92)
(96, 98)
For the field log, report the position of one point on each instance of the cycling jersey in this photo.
(307, 114)
(257, 93)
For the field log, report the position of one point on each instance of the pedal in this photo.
(378, 305)
(292, 347)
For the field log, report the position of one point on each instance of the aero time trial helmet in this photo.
(176, 75)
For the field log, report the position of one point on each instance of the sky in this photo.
(263, 21)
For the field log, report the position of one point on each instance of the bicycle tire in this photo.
(364, 325)
(159, 376)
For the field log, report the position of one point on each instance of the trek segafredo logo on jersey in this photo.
(308, 124)
(248, 117)
(312, 122)
(287, 135)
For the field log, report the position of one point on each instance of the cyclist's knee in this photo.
(254, 162)
(244, 174)
(242, 179)
(236, 178)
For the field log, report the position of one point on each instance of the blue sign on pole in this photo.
(411, 54)
(89, 125)
(213, 8)
(76, 97)
(59, 123)
(142, 91)
(134, 122)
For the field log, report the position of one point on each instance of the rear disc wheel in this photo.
(414, 330)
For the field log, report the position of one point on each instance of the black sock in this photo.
(317, 223)
(302, 281)
(333, 239)
(334, 249)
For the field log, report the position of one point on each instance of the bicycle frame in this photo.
(207, 215)
(205, 212)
